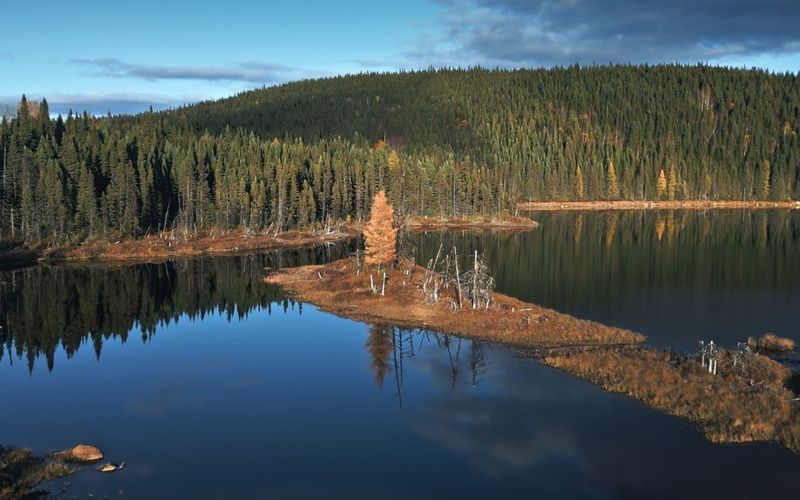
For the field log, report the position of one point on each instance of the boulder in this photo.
(80, 453)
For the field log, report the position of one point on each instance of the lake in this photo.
(211, 384)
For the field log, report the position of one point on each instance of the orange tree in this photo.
(380, 233)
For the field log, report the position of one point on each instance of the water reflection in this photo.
(389, 348)
(676, 276)
(43, 308)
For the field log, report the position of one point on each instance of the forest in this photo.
(450, 143)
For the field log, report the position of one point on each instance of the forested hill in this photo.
(447, 142)
(713, 126)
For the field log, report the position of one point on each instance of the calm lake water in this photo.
(211, 384)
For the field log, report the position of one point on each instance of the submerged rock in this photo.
(111, 467)
(80, 453)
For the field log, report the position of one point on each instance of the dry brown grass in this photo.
(746, 401)
(338, 289)
(156, 248)
(771, 342)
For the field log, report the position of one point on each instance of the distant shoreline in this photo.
(555, 206)
(488, 223)
(174, 245)
(171, 245)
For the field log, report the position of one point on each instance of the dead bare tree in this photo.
(478, 283)
(708, 356)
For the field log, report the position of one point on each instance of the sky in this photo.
(124, 57)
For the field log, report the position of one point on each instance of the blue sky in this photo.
(126, 56)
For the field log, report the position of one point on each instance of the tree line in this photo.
(440, 142)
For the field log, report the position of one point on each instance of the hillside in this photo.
(448, 143)
(711, 128)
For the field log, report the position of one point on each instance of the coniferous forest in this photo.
(440, 142)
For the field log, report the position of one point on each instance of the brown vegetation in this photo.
(747, 400)
(156, 248)
(337, 288)
(551, 206)
(493, 223)
(771, 342)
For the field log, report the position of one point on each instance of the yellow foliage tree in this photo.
(611, 178)
(394, 162)
(380, 233)
(764, 177)
(661, 184)
(579, 188)
(672, 184)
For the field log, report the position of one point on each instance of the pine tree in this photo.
(397, 177)
(380, 234)
(611, 181)
(86, 209)
(308, 207)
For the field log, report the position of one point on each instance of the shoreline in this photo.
(747, 401)
(556, 206)
(505, 224)
(171, 245)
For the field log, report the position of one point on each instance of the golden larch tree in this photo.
(661, 185)
(672, 184)
(579, 188)
(763, 181)
(380, 233)
(394, 162)
(611, 177)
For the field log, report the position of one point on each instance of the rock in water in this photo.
(80, 453)
(110, 467)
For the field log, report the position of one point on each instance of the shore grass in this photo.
(771, 342)
(746, 401)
